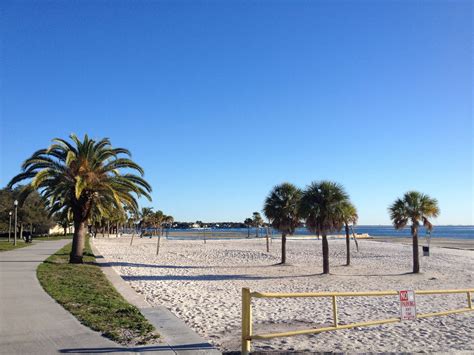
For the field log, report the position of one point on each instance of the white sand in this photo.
(201, 284)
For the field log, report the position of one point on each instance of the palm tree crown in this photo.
(349, 213)
(282, 208)
(415, 207)
(83, 176)
(322, 205)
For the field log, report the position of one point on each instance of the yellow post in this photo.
(246, 321)
(334, 311)
(469, 300)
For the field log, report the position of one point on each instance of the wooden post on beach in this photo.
(246, 321)
(469, 300)
(334, 311)
(158, 244)
(268, 242)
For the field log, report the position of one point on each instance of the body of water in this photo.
(455, 232)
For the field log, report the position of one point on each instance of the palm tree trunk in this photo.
(78, 242)
(348, 246)
(355, 238)
(283, 248)
(416, 256)
(325, 254)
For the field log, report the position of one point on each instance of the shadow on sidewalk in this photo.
(139, 349)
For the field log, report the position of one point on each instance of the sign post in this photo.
(407, 305)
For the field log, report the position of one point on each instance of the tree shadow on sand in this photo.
(158, 266)
(374, 275)
(210, 277)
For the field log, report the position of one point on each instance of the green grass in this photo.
(84, 290)
(5, 245)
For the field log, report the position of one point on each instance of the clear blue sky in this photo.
(221, 100)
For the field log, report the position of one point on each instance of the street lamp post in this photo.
(16, 219)
(10, 226)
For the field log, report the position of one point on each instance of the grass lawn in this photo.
(5, 245)
(84, 290)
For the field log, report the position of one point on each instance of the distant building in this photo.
(57, 229)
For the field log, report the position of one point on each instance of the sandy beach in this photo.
(202, 283)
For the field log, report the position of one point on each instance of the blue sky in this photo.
(221, 100)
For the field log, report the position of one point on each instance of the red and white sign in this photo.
(407, 305)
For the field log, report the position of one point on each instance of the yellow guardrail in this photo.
(248, 336)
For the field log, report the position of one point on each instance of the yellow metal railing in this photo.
(248, 336)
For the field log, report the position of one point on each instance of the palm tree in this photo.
(157, 219)
(414, 207)
(282, 210)
(257, 222)
(349, 216)
(248, 222)
(145, 216)
(321, 207)
(82, 175)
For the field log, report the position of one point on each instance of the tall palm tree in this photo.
(321, 207)
(257, 222)
(282, 210)
(416, 208)
(82, 175)
(349, 216)
(248, 222)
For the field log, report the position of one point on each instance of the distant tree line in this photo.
(33, 216)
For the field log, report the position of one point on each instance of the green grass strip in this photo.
(84, 290)
(5, 245)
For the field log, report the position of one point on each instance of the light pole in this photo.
(10, 226)
(16, 218)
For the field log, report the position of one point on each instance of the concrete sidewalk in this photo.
(31, 322)
(181, 339)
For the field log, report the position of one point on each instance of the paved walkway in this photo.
(31, 322)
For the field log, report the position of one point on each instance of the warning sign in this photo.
(407, 305)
